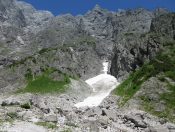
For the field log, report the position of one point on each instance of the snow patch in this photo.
(102, 86)
(20, 39)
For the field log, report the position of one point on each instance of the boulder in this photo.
(39, 102)
(157, 129)
(9, 102)
(111, 114)
(50, 118)
(103, 121)
(137, 120)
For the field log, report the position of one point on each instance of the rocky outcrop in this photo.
(134, 48)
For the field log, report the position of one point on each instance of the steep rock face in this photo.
(45, 41)
(19, 22)
(134, 48)
(11, 14)
(132, 21)
(81, 61)
(35, 20)
(98, 24)
(134, 53)
(130, 49)
(60, 30)
(164, 25)
(81, 42)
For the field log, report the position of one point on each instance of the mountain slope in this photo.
(153, 85)
(45, 60)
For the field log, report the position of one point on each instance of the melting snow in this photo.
(102, 85)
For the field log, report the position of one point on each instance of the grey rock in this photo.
(137, 120)
(14, 102)
(50, 118)
(109, 33)
(10, 102)
(159, 107)
(103, 120)
(157, 129)
(111, 114)
(79, 89)
(171, 127)
(130, 46)
(38, 102)
(61, 120)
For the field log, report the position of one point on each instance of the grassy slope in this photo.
(44, 84)
(164, 63)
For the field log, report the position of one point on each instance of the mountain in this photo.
(45, 60)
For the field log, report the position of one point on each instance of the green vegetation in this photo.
(22, 61)
(71, 124)
(129, 34)
(45, 50)
(1, 122)
(88, 40)
(44, 84)
(131, 85)
(48, 125)
(4, 104)
(25, 106)
(168, 112)
(10, 118)
(163, 67)
(169, 99)
(164, 62)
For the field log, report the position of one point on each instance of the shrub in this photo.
(170, 74)
(71, 124)
(129, 34)
(25, 106)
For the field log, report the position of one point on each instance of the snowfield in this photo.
(102, 86)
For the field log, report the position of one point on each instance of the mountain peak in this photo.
(97, 7)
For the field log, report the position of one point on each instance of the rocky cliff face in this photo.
(132, 49)
(121, 37)
(125, 37)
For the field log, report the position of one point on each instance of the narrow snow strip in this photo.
(95, 79)
(105, 67)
